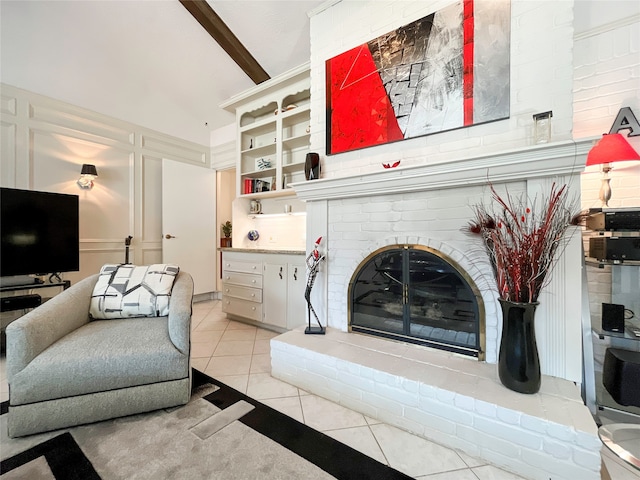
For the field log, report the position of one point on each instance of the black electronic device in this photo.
(19, 302)
(613, 317)
(614, 219)
(39, 231)
(614, 248)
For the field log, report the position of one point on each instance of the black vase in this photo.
(518, 361)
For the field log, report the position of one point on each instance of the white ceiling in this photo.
(147, 61)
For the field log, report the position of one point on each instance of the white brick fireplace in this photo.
(453, 400)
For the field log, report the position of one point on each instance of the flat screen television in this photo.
(40, 232)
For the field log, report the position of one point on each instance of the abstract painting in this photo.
(445, 71)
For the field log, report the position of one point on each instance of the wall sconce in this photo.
(612, 147)
(542, 127)
(87, 174)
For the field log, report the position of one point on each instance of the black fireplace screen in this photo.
(413, 294)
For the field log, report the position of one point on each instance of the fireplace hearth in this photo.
(418, 295)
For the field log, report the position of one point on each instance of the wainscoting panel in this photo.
(44, 144)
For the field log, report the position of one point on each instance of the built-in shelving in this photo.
(273, 124)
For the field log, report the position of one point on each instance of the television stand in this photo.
(29, 286)
(18, 280)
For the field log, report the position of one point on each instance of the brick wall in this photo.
(541, 80)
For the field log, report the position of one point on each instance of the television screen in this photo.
(40, 232)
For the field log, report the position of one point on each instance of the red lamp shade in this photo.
(612, 147)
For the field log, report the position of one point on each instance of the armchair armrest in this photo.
(180, 312)
(31, 334)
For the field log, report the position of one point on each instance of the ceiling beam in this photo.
(214, 25)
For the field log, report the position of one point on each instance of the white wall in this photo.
(44, 142)
(148, 62)
(541, 80)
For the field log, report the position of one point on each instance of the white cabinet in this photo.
(275, 291)
(242, 287)
(284, 284)
(273, 125)
(264, 287)
(296, 304)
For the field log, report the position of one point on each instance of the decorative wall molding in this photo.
(607, 27)
(559, 158)
(44, 142)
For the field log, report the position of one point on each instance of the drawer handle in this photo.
(228, 264)
(253, 294)
(253, 281)
(253, 308)
(228, 277)
(295, 273)
(226, 290)
(254, 267)
(280, 274)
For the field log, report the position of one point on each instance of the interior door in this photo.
(189, 221)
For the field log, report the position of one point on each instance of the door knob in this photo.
(169, 237)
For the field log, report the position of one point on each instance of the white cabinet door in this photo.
(274, 294)
(296, 304)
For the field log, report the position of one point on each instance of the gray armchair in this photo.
(64, 369)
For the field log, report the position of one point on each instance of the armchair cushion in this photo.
(129, 352)
(124, 291)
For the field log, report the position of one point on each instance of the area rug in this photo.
(220, 434)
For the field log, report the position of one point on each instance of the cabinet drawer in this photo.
(242, 308)
(244, 279)
(246, 293)
(246, 267)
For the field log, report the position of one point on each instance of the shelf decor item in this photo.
(226, 231)
(313, 265)
(312, 166)
(523, 240)
(253, 235)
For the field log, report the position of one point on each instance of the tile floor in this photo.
(239, 355)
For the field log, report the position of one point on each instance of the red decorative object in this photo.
(612, 147)
(522, 242)
(386, 165)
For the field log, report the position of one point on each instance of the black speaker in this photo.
(613, 317)
(19, 302)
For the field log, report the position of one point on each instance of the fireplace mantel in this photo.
(559, 158)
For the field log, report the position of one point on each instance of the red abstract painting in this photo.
(444, 71)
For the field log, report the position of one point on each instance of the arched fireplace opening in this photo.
(417, 294)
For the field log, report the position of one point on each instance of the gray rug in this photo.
(219, 434)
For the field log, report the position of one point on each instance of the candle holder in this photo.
(542, 127)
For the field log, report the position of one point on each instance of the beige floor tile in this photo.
(324, 415)
(199, 364)
(212, 324)
(361, 439)
(261, 363)
(264, 334)
(464, 474)
(489, 472)
(414, 455)
(239, 347)
(229, 365)
(206, 336)
(199, 350)
(239, 326)
(237, 382)
(248, 334)
(263, 385)
(290, 406)
(261, 346)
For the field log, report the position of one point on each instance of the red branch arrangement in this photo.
(522, 244)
